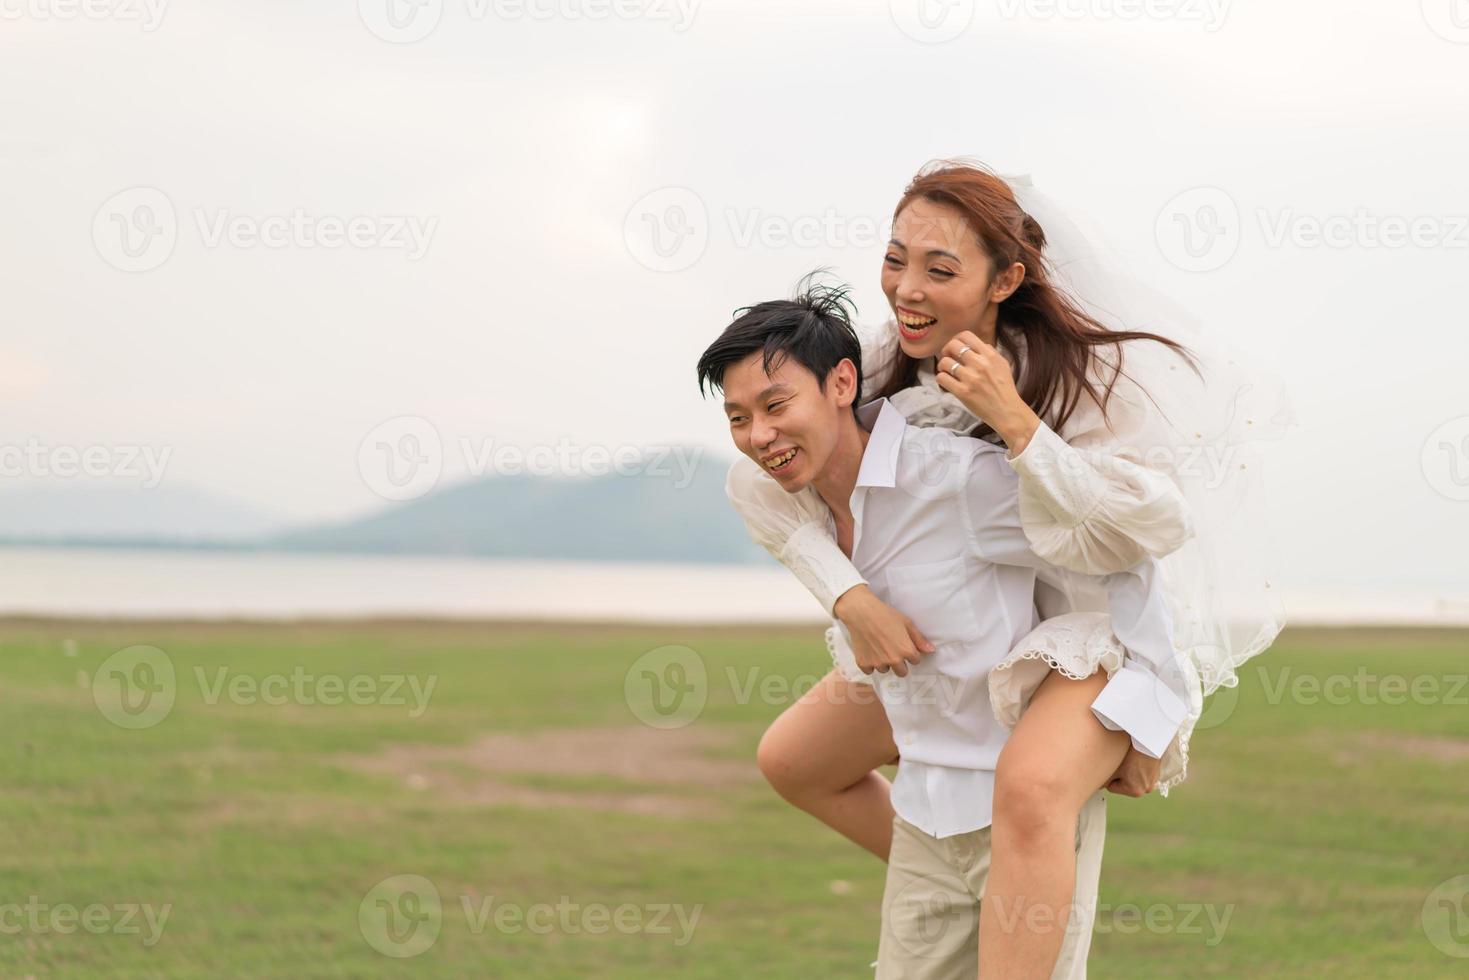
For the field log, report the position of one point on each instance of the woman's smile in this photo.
(913, 325)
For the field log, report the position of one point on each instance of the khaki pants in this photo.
(930, 909)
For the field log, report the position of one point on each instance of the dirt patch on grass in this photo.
(658, 768)
(1439, 748)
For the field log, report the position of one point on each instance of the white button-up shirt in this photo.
(938, 536)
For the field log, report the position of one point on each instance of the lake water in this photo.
(246, 585)
(251, 585)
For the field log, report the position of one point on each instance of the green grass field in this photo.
(566, 838)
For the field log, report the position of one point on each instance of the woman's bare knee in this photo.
(1044, 773)
(1030, 798)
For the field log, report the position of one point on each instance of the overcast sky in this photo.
(251, 233)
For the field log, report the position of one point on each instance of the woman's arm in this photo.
(1098, 497)
(1089, 503)
(793, 528)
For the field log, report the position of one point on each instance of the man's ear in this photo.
(1007, 282)
(843, 381)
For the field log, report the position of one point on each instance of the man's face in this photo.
(783, 420)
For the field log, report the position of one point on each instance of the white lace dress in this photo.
(1089, 502)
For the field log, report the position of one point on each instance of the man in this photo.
(930, 518)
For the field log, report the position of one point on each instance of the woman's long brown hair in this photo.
(1060, 339)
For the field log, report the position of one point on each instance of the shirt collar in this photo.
(885, 424)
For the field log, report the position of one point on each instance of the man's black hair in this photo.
(815, 328)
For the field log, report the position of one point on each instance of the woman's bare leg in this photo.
(821, 753)
(1057, 757)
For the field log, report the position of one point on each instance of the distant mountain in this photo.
(170, 513)
(608, 518)
(632, 518)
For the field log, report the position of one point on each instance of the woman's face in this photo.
(937, 278)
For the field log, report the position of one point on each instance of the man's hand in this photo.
(883, 639)
(1137, 776)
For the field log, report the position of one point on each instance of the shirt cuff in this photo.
(1139, 703)
(1056, 474)
(814, 557)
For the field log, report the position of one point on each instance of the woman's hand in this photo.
(882, 638)
(1137, 776)
(985, 386)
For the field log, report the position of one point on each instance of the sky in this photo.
(271, 240)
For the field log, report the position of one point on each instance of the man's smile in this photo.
(780, 462)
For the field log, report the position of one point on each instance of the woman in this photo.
(986, 342)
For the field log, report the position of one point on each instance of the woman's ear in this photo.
(1007, 282)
